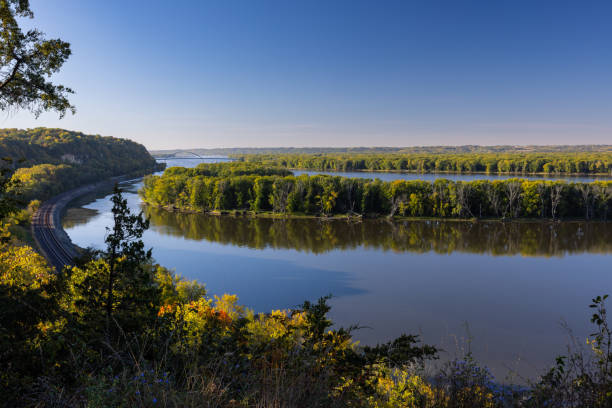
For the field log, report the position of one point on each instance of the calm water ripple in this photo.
(512, 283)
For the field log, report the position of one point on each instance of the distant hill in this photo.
(379, 150)
(59, 146)
(49, 161)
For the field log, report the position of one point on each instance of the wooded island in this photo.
(246, 186)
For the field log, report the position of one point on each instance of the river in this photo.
(503, 290)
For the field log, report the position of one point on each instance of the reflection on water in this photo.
(77, 216)
(417, 277)
(442, 237)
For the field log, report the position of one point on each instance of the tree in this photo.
(556, 194)
(27, 60)
(224, 199)
(327, 199)
(295, 200)
(531, 201)
(464, 198)
(280, 194)
(116, 294)
(262, 190)
(197, 196)
(398, 202)
(513, 191)
(9, 188)
(26, 303)
(126, 259)
(27, 306)
(586, 193)
(494, 197)
(443, 197)
(605, 196)
(543, 190)
(351, 187)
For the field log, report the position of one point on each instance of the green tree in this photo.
(295, 200)
(262, 191)
(126, 274)
(281, 190)
(27, 61)
(327, 199)
(224, 195)
(26, 304)
(197, 194)
(114, 297)
(8, 189)
(27, 307)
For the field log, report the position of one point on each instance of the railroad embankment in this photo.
(51, 239)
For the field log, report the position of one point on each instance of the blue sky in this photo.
(334, 73)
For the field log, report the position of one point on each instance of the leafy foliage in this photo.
(583, 378)
(552, 162)
(122, 331)
(27, 60)
(10, 188)
(27, 310)
(221, 189)
(50, 161)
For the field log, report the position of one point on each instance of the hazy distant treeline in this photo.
(398, 150)
(525, 163)
(244, 186)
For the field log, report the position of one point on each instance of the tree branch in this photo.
(13, 73)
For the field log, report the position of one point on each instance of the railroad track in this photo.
(50, 237)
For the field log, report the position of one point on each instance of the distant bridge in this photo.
(194, 156)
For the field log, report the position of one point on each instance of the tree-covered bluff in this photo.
(49, 161)
(250, 187)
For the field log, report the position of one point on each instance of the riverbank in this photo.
(506, 163)
(468, 173)
(48, 234)
(358, 217)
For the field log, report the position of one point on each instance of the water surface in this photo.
(512, 283)
(392, 176)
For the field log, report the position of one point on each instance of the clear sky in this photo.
(225, 73)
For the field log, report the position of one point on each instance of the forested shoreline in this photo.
(253, 187)
(551, 163)
(47, 161)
